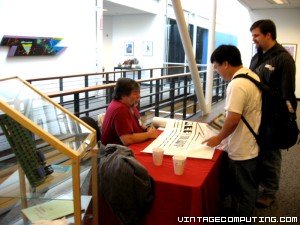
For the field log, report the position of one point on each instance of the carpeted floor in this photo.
(287, 203)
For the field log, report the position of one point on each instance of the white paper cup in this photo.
(179, 164)
(158, 155)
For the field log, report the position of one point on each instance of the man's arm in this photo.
(128, 139)
(231, 121)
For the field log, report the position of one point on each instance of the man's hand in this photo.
(128, 139)
(212, 141)
(152, 132)
(231, 122)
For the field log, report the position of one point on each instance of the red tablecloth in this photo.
(188, 197)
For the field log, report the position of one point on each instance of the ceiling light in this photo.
(278, 2)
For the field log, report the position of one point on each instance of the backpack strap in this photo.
(250, 128)
(260, 85)
(263, 87)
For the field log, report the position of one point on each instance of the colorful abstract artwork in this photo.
(31, 46)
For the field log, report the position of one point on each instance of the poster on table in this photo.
(181, 137)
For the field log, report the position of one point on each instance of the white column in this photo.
(211, 47)
(99, 34)
(187, 45)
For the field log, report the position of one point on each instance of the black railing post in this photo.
(204, 83)
(108, 89)
(184, 103)
(86, 84)
(76, 104)
(172, 97)
(107, 78)
(109, 95)
(178, 85)
(195, 103)
(61, 88)
(151, 87)
(157, 90)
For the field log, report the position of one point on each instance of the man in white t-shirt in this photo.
(243, 99)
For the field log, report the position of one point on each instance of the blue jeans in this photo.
(243, 186)
(269, 167)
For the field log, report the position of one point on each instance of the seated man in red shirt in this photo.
(122, 122)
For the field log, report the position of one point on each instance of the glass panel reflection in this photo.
(43, 113)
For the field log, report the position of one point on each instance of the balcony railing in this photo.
(162, 94)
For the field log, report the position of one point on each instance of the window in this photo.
(175, 48)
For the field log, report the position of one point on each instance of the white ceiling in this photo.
(116, 9)
(265, 4)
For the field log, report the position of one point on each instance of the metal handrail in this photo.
(156, 93)
(90, 94)
(162, 95)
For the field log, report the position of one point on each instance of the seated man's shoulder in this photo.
(115, 105)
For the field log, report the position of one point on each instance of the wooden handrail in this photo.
(110, 85)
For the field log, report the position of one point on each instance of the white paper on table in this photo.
(183, 138)
(160, 121)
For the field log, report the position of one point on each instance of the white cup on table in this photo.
(179, 164)
(158, 155)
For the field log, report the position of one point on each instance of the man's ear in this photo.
(225, 64)
(268, 35)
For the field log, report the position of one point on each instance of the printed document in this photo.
(181, 137)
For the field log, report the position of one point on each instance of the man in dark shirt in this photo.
(276, 68)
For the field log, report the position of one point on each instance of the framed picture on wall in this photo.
(128, 48)
(147, 48)
(292, 49)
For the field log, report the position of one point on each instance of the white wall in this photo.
(287, 24)
(75, 22)
(72, 20)
(108, 63)
(136, 28)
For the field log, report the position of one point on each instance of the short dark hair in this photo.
(228, 53)
(265, 26)
(124, 87)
